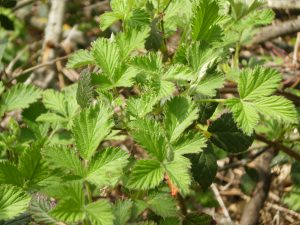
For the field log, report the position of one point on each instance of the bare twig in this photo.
(284, 4)
(252, 209)
(221, 203)
(40, 66)
(277, 30)
(279, 146)
(282, 209)
(52, 39)
(22, 4)
(243, 162)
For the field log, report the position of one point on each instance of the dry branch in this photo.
(277, 30)
(284, 4)
(52, 39)
(252, 209)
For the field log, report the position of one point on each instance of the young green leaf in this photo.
(39, 209)
(149, 134)
(18, 97)
(122, 212)
(107, 55)
(84, 95)
(55, 101)
(80, 58)
(107, 166)
(70, 207)
(146, 174)
(178, 172)
(254, 87)
(209, 84)
(192, 142)
(244, 114)
(32, 167)
(91, 126)
(132, 40)
(179, 113)
(140, 107)
(257, 83)
(13, 202)
(100, 212)
(9, 174)
(64, 158)
(109, 18)
(205, 20)
(167, 209)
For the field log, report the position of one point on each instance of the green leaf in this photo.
(140, 107)
(146, 174)
(277, 108)
(132, 40)
(80, 58)
(254, 87)
(257, 83)
(55, 101)
(122, 212)
(170, 221)
(244, 114)
(201, 57)
(226, 135)
(178, 72)
(204, 167)
(205, 20)
(18, 97)
(206, 110)
(100, 212)
(241, 8)
(106, 54)
(179, 114)
(149, 134)
(39, 209)
(167, 209)
(70, 207)
(13, 202)
(64, 158)
(32, 167)
(192, 142)
(9, 174)
(84, 95)
(22, 219)
(106, 168)
(209, 84)
(178, 172)
(2, 88)
(109, 18)
(138, 18)
(292, 198)
(149, 64)
(91, 126)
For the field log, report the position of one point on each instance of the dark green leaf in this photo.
(198, 219)
(204, 167)
(6, 22)
(226, 135)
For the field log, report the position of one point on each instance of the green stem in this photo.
(236, 55)
(88, 192)
(212, 100)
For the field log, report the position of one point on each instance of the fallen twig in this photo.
(279, 146)
(252, 209)
(277, 30)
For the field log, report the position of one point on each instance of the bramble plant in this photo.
(137, 133)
